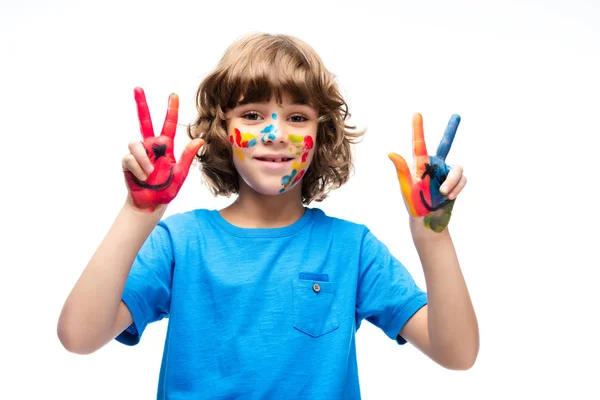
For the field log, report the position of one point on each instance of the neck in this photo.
(255, 210)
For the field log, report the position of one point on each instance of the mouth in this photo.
(275, 164)
(274, 160)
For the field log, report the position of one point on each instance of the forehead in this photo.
(268, 94)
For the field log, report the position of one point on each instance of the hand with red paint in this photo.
(153, 176)
(431, 193)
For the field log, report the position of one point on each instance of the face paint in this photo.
(238, 153)
(163, 184)
(242, 140)
(294, 177)
(271, 139)
(421, 193)
(306, 143)
(296, 139)
(269, 132)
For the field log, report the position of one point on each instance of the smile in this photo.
(431, 208)
(277, 160)
(159, 186)
(275, 163)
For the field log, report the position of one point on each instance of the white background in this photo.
(525, 78)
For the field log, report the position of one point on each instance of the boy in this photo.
(264, 297)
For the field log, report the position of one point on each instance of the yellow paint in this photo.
(237, 152)
(296, 138)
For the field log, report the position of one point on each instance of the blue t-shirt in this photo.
(265, 313)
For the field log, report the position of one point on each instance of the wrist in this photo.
(422, 235)
(143, 215)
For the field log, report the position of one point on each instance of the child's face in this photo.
(273, 143)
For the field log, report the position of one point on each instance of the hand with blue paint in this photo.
(433, 189)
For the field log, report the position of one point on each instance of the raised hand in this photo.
(153, 176)
(425, 194)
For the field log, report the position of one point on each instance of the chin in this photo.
(262, 188)
(267, 188)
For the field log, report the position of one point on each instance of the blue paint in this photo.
(288, 178)
(268, 129)
(448, 138)
(441, 171)
(251, 142)
(274, 116)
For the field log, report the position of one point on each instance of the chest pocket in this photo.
(315, 307)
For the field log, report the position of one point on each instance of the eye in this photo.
(298, 118)
(252, 116)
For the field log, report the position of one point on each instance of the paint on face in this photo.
(280, 106)
(294, 177)
(274, 116)
(238, 153)
(243, 140)
(296, 138)
(305, 143)
(269, 132)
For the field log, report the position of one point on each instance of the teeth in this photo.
(275, 159)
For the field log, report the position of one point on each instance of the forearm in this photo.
(452, 324)
(89, 313)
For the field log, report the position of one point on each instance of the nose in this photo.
(274, 132)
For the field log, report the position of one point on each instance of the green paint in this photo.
(296, 138)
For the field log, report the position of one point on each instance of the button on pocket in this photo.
(315, 307)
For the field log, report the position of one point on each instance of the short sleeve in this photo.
(387, 295)
(147, 292)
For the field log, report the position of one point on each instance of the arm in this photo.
(94, 314)
(446, 329)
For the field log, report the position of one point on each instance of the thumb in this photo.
(189, 153)
(406, 181)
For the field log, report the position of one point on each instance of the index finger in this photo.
(143, 113)
(448, 138)
(170, 125)
(419, 147)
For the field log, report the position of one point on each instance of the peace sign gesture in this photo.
(153, 176)
(435, 185)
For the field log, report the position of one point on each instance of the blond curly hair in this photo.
(256, 68)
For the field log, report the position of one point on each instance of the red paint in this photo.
(308, 143)
(168, 176)
(238, 137)
(299, 176)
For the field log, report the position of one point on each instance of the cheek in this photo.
(302, 145)
(242, 140)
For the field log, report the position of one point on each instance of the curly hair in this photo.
(256, 68)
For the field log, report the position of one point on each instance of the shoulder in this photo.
(184, 222)
(340, 225)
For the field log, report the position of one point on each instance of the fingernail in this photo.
(444, 189)
(150, 169)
